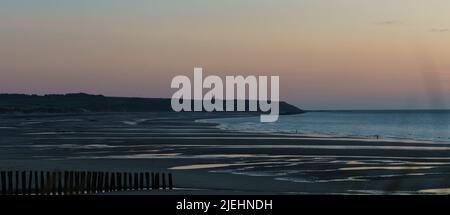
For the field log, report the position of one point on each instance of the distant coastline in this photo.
(82, 102)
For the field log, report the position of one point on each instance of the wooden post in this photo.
(153, 181)
(107, 182)
(101, 182)
(89, 183)
(130, 181)
(71, 177)
(164, 181)
(77, 182)
(147, 181)
(136, 181)
(16, 187)
(10, 182)
(23, 180)
(66, 183)
(80, 183)
(48, 185)
(125, 181)
(157, 180)
(170, 181)
(83, 182)
(54, 183)
(60, 187)
(119, 181)
(3, 177)
(112, 186)
(94, 178)
(98, 184)
(36, 183)
(94, 182)
(141, 181)
(42, 185)
(30, 182)
(1, 181)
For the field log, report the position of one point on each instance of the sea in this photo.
(397, 125)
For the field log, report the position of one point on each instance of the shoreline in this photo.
(320, 136)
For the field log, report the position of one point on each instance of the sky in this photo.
(340, 54)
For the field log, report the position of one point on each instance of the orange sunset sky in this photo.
(329, 54)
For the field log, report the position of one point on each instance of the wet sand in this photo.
(207, 160)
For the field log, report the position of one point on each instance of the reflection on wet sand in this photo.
(203, 156)
(441, 191)
(385, 168)
(200, 166)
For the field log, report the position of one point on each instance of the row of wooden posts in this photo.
(80, 182)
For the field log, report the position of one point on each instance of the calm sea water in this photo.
(423, 125)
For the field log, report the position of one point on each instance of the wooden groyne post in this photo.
(80, 182)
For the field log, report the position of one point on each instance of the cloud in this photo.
(440, 30)
(390, 22)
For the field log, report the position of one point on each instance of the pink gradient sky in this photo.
(343, 54)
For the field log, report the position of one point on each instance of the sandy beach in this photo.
(208, 160)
